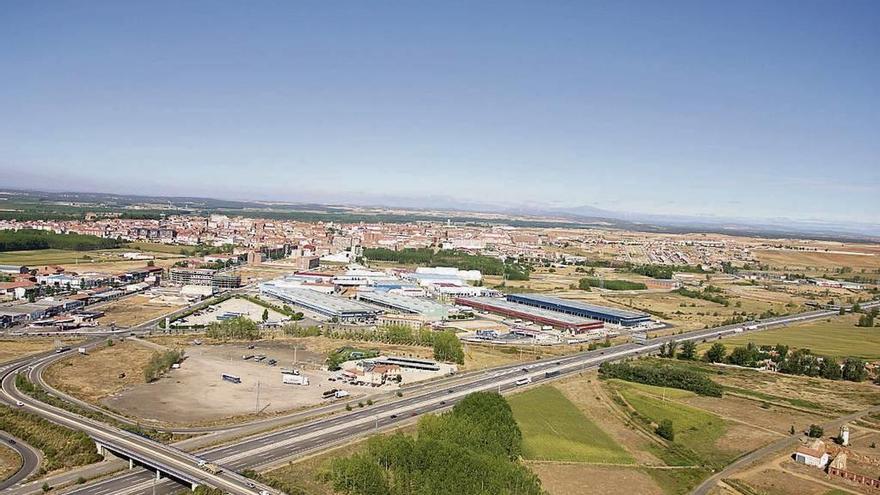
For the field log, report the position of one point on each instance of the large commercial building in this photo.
(576, 308)
(426, 308)
(205, 276)
(328, 305)
(575, 324)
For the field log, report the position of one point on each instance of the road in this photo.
(30, 459)
(269, 449)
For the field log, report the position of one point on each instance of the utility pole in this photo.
(257, 407)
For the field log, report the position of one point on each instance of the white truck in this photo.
(523, 381)
(340, 394)
(83, 351)
(291, 379)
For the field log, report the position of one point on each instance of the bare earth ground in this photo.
(19, 347)
(583, 479)
(235, 305)
(9, 462)
(97, 376)
(134, 310)
(773, 418)
(818, 261)
(195, 393)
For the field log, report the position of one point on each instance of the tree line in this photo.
(662, 376)
(791, 362)
(487, 265)
(587, 283)
(446, 345)
(30, 240)
(238, 328)
(471, 450)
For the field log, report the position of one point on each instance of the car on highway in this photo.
(19, 403)
(11, 441)
(251, 484)
(393, 416)
(442, 402)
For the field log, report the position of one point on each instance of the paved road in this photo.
(30, 459)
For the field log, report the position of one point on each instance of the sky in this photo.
(750, 108)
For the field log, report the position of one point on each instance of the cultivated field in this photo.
(818, 261)
(78, 260)
(836, 336)
(554, 429)
(134, 310)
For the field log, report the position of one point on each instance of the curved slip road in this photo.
(30, 459)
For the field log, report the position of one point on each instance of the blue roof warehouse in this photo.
(602, 313)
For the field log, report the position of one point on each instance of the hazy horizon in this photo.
(747, 110)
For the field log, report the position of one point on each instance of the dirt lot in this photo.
(583, 479)
(97, 376)
(12, 348)
(819, 261)
(134, 310)
(9, 462)
(195, 393)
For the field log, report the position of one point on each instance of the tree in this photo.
(854, 370)
(688, 350)
(829, 369)
(815, 431)
(265, 315)
(447, 347)
(856, 308)
(716, 353)
(665, 430)
(791, 430)
(670, 348)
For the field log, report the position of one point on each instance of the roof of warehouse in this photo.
(620, 313)
(409, 303)
(327, 301)
(538, 312)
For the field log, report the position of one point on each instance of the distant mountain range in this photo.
(391, 208)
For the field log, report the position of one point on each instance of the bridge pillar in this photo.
(194, 486)
(101, 449)
(158, 474)
(131, 464)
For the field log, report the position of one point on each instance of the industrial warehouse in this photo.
(574, 324)
(426, 308)
(341, 308)
(602, 313)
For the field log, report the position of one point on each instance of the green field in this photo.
(694, 428)
(838, 337)
(154, 247)
(555, 430)
(56, 257)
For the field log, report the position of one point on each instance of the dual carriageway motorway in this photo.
(267, 449)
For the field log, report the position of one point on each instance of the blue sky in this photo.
(748, 109)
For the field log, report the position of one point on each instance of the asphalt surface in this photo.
(30, 459)
(269, 449)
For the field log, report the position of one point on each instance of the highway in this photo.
(269, 449)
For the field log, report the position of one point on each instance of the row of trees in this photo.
(586, 283)
(29, 240)
(662, 376)
(867, 319)
(472, 450)
(238, 328)
(797, 362)
(488, 265)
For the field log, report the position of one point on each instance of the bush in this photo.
(665, 430)
(815, 431)
(240, 328)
